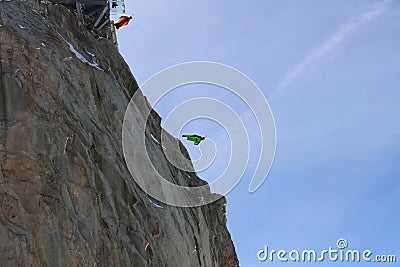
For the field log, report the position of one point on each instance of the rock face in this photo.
(66, 195)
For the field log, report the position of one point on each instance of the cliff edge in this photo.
(66, 195)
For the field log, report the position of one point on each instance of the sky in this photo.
(330, 71)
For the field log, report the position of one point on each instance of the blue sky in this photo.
(331, 73)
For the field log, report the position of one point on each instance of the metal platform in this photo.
(92, 13)
(117, 7)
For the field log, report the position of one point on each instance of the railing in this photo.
(117, 7)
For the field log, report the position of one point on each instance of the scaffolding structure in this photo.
(117, 7)
(94, 14)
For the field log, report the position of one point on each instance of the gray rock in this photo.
(66, 195)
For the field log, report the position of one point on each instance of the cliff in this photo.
(66, 195)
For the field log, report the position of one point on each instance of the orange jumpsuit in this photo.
(123, 20)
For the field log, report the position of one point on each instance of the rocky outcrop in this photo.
(66, 195)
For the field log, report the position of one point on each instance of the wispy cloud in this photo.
(327, 46)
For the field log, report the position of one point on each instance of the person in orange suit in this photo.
(123, 20)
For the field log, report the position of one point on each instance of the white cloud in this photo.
(327, 46)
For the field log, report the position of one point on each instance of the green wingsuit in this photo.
(196, 139)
